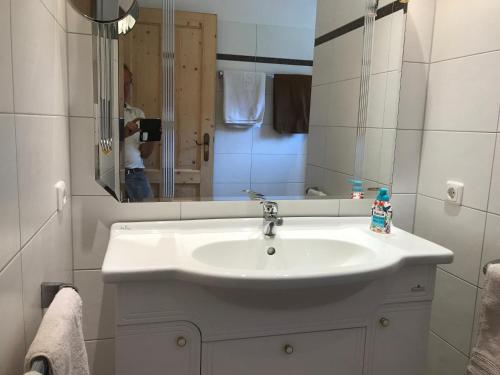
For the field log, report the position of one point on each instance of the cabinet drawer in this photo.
(152, 349)
(411, 284)
(320, 353)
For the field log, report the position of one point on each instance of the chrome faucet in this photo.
(271, 218)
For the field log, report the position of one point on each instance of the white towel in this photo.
(60, 337)
(244, 98)
(485, 357)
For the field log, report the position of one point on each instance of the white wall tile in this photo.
(39, 60)
(355, 207)
(310, 208)
(278, 168)
(491, 248)
(9, 220)
(230, 191)
(92, 219)
(280, 190)
(444, 359)
(376, 100)
(220, 210)
(236, 38)
(266, 140)
(76, 23)
(419, 29)
(58, 10)
(391, 106)
(316, 143)
(335, 183)
(285, 42)
(6, 94)
(413, 96)
(43, 160)
(453, 310)
(83, 157)
(81, 79)
(407, 161)
(235, 65)
(12, 344)
(494, 204)
(452, 39)
(464, 94)
(232, 140)
(232, 168)
(340, 152)
(283, 69)
(46, 258)
(464, 157)
(98, 305)
(333, 14)
(101, 355)
(404, 211)
(314, 177)
(459, 229)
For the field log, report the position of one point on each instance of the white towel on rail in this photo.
(244, 98)
(60, 337)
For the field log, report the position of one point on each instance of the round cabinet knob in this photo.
(181, 342)
(384, 322)
(288, 349)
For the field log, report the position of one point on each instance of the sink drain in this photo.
(271, 251)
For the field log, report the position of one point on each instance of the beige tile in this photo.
(407, 161)
(76, 22)
(43, 160)
(463, 157)
(413, 95)
(494, 204)
(351, 207)
(39, 60)
(491, 247)
(58, 10)
(459, 229)
(101, 355)
(452, 39)
(444, 359)
(6, 94)
(98, 305)
(404, 211)
(9, 219)
(81, 79)
(83, 157)
(463, 94)
(12, 344)
(453, 310)
(419, 29)
(48, 257)
(93, 216)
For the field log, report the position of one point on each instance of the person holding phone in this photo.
(137, 184)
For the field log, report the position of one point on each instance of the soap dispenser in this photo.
(357, 189)
(382, 213)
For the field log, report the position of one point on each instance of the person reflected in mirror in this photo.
(137, 183)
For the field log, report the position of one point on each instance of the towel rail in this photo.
(269, 75)
(485, 268)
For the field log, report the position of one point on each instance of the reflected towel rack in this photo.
(268, 75)
(485, 268)
(48, 293)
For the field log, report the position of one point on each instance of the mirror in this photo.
(290, 99)
(103, 11)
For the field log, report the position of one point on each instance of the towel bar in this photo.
(49, 291)
(485, 268)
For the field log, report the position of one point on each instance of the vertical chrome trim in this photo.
(168, 118)
(366, 70)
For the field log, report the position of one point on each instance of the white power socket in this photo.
(454, 192)
(61, 194)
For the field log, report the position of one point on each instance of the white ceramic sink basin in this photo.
(307, 252)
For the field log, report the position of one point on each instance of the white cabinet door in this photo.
(401, 346)
(155, 349)
(321, 353)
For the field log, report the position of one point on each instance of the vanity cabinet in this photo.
(315, 353)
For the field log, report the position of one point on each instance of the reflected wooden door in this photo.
(195, 79)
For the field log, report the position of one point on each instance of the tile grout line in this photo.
(450, 344)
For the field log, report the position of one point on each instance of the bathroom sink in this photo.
(306, 252)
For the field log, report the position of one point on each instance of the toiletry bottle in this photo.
(382, 213)
(357, 189)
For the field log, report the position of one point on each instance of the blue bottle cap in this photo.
(383, 195)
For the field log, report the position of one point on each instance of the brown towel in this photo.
(485, 358)
(292, 103)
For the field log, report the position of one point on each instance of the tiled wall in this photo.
(35, 243)
(258, 158)
(460, 142)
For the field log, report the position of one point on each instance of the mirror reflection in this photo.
(291, 101)
(104, 11)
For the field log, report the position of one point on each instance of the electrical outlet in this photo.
(454, 192)
(61, 195)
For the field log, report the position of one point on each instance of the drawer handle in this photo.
(384, 322)
(288, 349)
(181, 342)
(418, 288)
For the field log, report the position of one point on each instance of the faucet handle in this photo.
(270, 207)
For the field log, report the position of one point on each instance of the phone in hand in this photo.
(150, 130)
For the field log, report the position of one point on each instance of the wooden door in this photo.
(195, 79)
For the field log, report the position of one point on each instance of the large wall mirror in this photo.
(213, 99)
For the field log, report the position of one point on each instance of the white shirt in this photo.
(133, 157)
